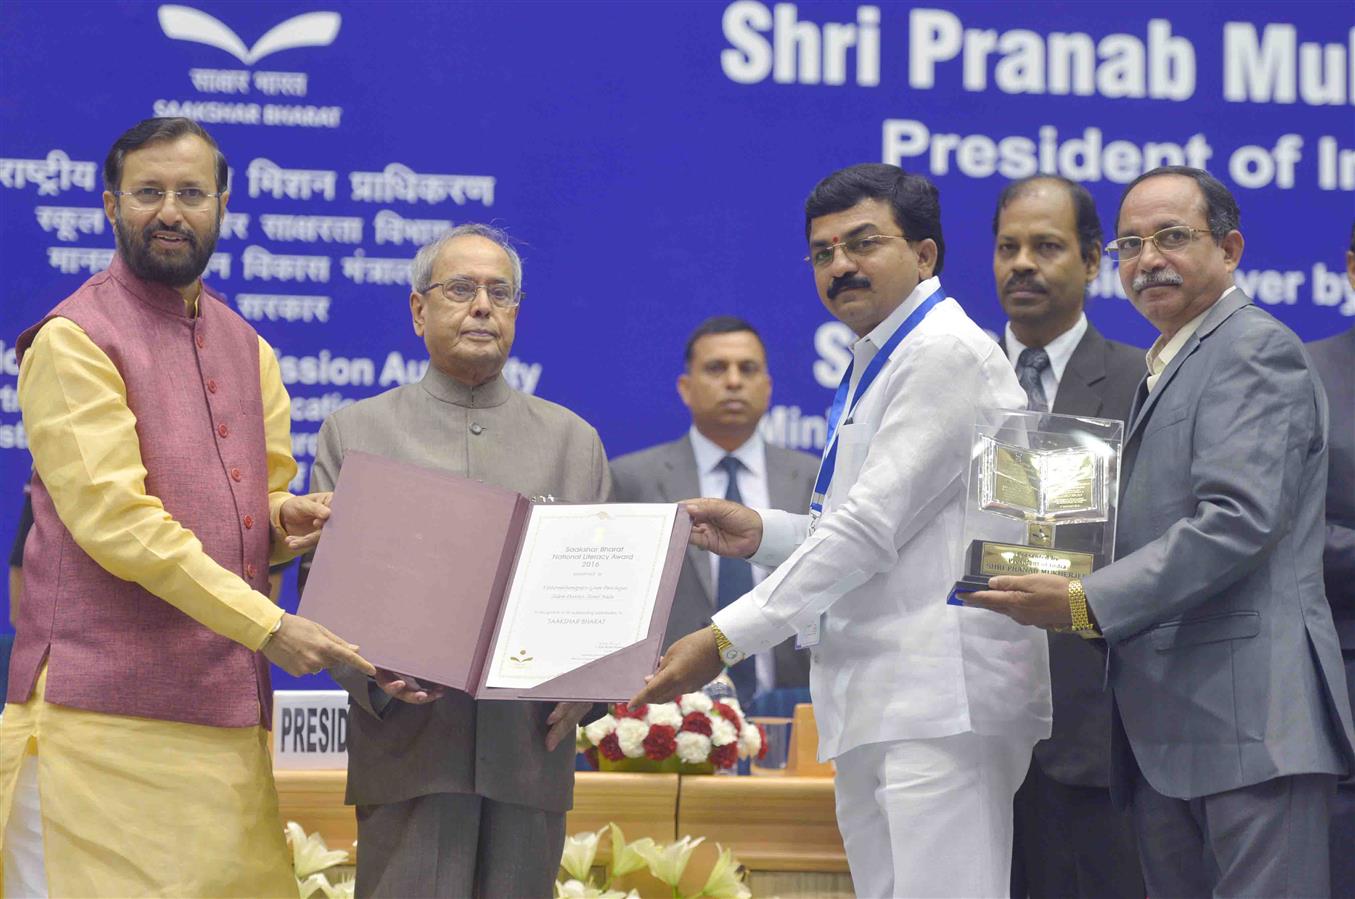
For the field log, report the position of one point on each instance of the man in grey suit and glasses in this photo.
(727, 387)
(456, 797)
(1232, 721)
(1069, 840)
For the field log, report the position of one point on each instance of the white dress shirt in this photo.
(1060, 350)
(1163, 351)
(755, 493)
(895, 662)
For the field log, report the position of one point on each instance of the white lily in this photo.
(345, 888)
(725, 880)
(310, 855)
(580, 850)
(668, 863)
(629, 857)
(574, 889)
(316, 882)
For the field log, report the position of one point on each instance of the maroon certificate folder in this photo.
(415, 566)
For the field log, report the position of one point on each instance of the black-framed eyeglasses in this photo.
(1168, 240)
(464, 290)
(855, 249)
(152, 197)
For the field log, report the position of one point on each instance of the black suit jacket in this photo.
(1334, 359)
(667, 473)
(1099, 380)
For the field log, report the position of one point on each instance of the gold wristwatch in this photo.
(1082, 623)
(729, 654)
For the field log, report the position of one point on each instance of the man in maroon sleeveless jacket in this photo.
(138, 692)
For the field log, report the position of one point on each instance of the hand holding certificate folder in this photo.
(479, 589)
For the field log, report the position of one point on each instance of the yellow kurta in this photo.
(135, 806)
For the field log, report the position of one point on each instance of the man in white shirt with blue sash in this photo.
(929, 710)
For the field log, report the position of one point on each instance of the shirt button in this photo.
(211, 385)
(222, 430)
(250, 569)
(235, 475)
(201, 342)
(249, 522)
(477, 428)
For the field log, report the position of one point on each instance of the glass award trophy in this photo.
(1041, 496)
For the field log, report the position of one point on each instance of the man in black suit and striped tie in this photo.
(1069, 840)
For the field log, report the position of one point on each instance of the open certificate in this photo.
(478, 588)
(584, 587)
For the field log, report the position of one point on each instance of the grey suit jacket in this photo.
(497, 435)
(1223, 660)
(1334, 359)
(667, 473)
(1099, 380)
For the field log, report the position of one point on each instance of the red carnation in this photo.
(725, 756)
(696, 723)
(610, 747)
(621, 710)
(727, 712)
(762, 734)
(591, 754)
(661, 742)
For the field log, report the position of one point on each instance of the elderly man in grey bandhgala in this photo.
(457, 797)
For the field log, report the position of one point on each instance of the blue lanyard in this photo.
(867, 378)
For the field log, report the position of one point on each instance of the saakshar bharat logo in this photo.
(312, 29)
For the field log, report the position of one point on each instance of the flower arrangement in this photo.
(695, 734)
(311, 858)
(666, 864)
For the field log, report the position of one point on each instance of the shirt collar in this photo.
(444, 387)
(1162, 352)
(752, 454)
(880, 334)
(1060, 349)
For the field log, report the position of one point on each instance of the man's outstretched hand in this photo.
(724, 527)
(687, 666)
(302, 646)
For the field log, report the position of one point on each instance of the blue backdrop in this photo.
(652, 159)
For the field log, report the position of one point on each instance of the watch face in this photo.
(731, 656)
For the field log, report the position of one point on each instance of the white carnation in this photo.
(599, 729)
(693, 748)
(631, 733)
(665, 713)
(721, 731)
(750, 741)
(696, 702)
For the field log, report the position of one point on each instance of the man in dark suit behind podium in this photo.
(1069, 839)
(727, 388)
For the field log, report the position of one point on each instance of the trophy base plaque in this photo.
(988, 559)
